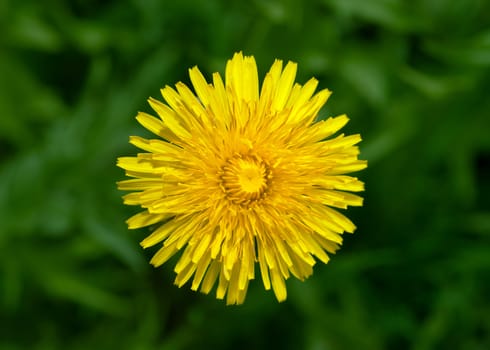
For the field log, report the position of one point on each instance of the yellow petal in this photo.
(144, 218)
(278, 285)
(169, 118)
(284, 86)
(200, 85)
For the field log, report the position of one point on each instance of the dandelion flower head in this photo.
(242, 175)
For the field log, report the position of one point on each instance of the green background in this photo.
(414, 78)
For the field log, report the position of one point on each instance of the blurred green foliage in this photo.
(414, 76)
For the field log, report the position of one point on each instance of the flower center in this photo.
(245, 179)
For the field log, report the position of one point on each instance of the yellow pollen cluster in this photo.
(245, 179)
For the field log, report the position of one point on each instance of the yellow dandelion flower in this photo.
(240, 175)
